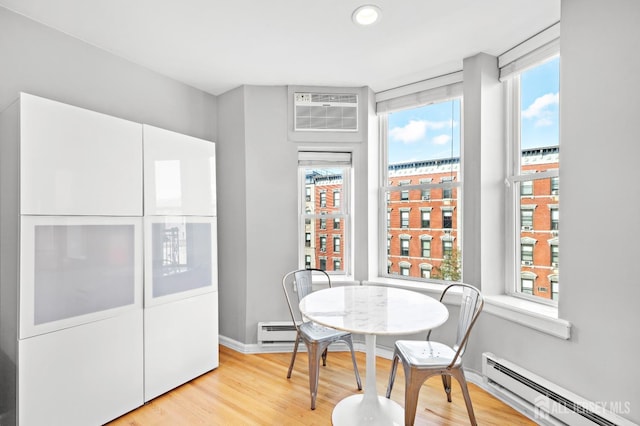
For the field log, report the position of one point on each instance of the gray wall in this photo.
(45, 62)
(600, 201)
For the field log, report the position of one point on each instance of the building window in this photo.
(526, 286)
(555, 219)
(555, 185)
(555, 287)
(426, 218)
(404, 246)
(337, 265)
(447, 193)
(426, 248)
(323, 244)
(555, 255)
(526, 254)
(404, 218)
(405, 268)
(526, 218)
(422, 142)
(336, 198)
(425, 271)
(533, 171)
(447, 248)
(323, 173)
(447, 219)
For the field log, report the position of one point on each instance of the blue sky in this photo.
(433, 131)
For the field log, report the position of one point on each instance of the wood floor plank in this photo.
(253, 390)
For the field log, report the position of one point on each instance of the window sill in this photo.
(534, 315)
(530, 314)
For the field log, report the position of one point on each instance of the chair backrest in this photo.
(471, 305)
(297, 284)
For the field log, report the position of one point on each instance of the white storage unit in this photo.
(181, 275)
(73, 326)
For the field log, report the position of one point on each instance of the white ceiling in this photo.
(216, 45)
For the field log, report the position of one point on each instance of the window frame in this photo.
(517, 179)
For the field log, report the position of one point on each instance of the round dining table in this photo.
(372, 311)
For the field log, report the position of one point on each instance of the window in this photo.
(404, 246)
(447, 219)
(426, 247)
(534, 120)
(322, 173)
(554, 214)
(323, 243)
(421, 135)
(526, 218)
(446, 192)
(447, 248)
(526, 251)
(426, 218)
(554, 254)
(336, 198)
(404, 218)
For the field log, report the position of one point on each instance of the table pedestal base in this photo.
(361, 410)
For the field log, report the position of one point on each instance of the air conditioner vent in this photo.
(335, 112)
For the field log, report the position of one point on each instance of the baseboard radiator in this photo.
(276, 332)
(548, 402)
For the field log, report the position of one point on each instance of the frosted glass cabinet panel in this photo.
(180, 257)
(78, 269)
(78, 162)
(179, 174)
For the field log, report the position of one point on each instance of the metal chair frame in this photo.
(316, 338)
(450, 365)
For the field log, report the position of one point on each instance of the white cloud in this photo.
(413, 131)
(538, 109)
(441, 139)
(416, 130)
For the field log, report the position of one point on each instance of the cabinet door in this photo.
(179, 174)
(180, 258)
(77, 270)
(78, 162)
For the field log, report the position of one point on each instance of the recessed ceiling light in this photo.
(368, 14)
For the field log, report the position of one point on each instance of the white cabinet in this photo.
(179, 174)
(181, 275)
(78, 162)
(87, 336)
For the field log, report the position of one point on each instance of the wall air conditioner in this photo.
(274, 332)
(334, 112)
(527, 262)
(425, 197)
(527, 228)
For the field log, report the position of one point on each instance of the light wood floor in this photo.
(254, 390)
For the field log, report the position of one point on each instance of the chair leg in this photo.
(459, 375)
(324, 357)
(392, 374)
(293, 357)
(314, 355)
(349, 343)
(411, 392)
(446, 381)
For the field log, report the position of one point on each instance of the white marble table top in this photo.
(374, 310)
